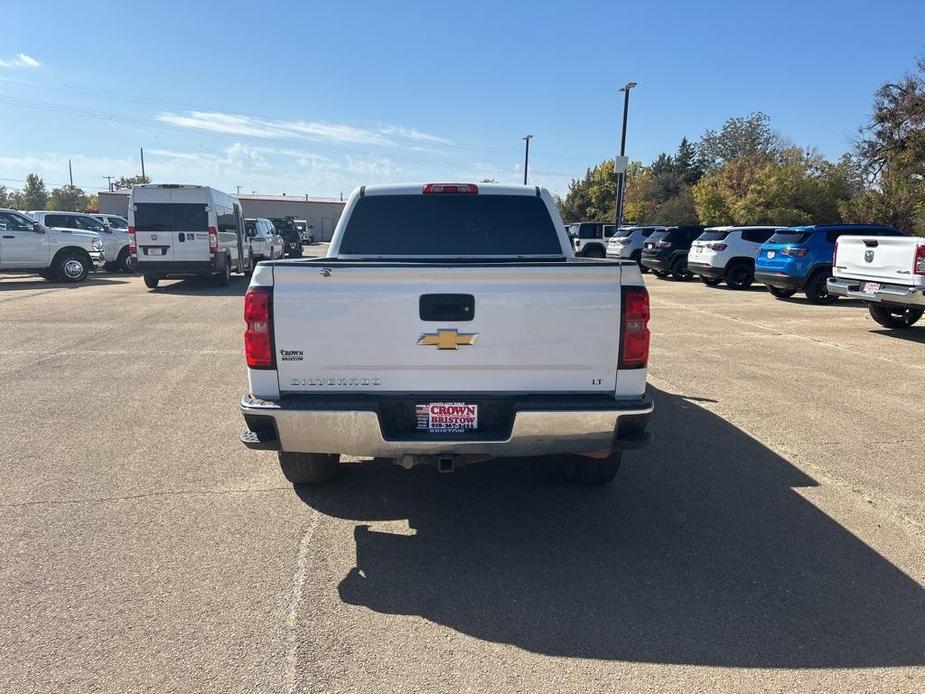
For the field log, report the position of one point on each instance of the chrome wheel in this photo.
(73, 269)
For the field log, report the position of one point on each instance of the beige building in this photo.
(321, 213)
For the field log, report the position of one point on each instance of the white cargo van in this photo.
(187, 231)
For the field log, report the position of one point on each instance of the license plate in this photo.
(771, 254)
(447, 417)
(871, 287)
(154, 251)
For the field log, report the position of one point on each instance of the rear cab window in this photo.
(451, 225)
(171, 216)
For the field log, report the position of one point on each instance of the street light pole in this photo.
(621, 179)
(526, 139)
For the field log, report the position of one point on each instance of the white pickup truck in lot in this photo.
(888, 272)
(61, 255)
(449, 323)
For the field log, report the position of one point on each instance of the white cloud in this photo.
(277, 129)
(412, 134)
(21, 60)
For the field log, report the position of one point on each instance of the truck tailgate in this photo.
(364, 327)
(886, 258)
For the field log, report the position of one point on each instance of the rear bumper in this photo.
(887, 294)
(177, 268)
(539, 425)
(655, 262)
(779, 280)
(705, 270)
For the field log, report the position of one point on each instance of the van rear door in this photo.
(172, 231)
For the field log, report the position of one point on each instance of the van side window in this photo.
(226, 220)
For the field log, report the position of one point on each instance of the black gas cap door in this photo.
(447, 307)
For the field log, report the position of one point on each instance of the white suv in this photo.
(727, 254)
(115, 241)
(265, 243)
(626, 244)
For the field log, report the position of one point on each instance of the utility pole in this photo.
(142, 150)
(526, 139)
(239, 189)
(109, 181)
(621, 180)
(70, 173)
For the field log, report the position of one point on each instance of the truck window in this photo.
(450, 225)
(171, 216)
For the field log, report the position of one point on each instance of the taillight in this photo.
(213, 240)
(634, 343)
(467, 188)
(132, 249)
(258, 336)
(664, 244)
(794, 252)
(834, 252)
(918, 267)
(718, 246)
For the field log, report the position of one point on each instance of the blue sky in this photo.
(317, 98)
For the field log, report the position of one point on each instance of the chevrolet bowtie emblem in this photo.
(448, 339)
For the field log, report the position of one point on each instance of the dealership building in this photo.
(321, 213)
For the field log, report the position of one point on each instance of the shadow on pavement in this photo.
(701, 553)
(202, 286)
(36, 282)
(915, 334)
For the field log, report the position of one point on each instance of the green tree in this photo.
(68, 198)
(34, 195)
(592, 197)
(686, 163)
(7, 197)
(750, 138)
(124, 182)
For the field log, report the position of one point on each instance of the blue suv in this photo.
(800, 258)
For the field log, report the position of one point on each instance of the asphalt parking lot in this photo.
(771, 538)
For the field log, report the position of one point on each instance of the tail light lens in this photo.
(664, 244)
(834, 252)
(465, 188)
(717, 246)
(258, 336)
(634, 341)
(918, 267)
(132, 248)
(213, 240)
(794, 252)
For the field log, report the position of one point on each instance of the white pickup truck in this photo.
(63, 255)
(888, 272)
(449, 323)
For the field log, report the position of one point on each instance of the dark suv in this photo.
(665, 252)
(292, 241)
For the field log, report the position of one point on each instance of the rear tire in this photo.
(309, 468)
(781, 293)
(680, 271)
(580, 470)
(895, 317)
(72, 267)
(740, 276)
(816, 290)
(224, 279)
(151, 281)
(711, 281)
